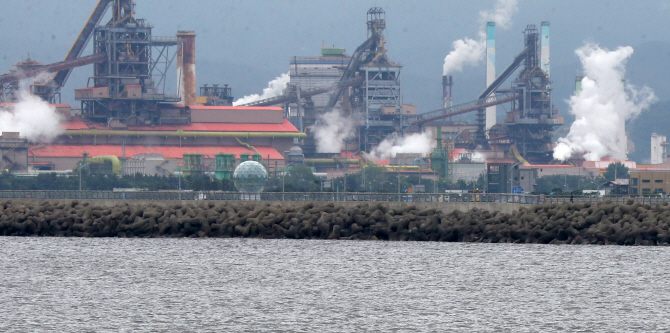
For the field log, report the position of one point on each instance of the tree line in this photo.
(298, 179)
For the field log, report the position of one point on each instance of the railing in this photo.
(322, 196)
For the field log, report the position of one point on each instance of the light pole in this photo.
(398, 170)
(84, 163)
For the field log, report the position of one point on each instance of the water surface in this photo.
(128, 285)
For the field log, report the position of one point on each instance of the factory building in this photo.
(659, 149)
(240, 131)
(645, 182)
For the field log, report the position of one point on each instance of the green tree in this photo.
(300, 179)
(616, 169)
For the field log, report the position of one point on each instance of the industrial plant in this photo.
(126, 117)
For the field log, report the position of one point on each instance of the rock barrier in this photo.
(566, 223)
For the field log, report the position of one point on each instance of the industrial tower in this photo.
(128, 86)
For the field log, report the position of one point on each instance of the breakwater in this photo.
(565, 223)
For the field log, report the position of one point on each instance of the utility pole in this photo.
(81, 167)
(398, 170)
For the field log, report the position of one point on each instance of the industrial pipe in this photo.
(186, 67)
(330, 161)
(190, 134)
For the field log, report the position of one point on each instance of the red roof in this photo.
(169, 152)
(286, 126)
(74, 124)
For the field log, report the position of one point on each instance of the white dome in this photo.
(250, 176)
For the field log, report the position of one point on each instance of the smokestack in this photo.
(490, 69)
(186, 67)
(444, 91)
(544, 48)
(578, 84)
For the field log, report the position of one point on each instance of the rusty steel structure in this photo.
(52, 68)
(528, 128)
(49, 90)
(186, 67)
(128, 86)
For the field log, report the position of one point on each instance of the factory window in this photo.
(659, 190)
(658, 180)
(646, 191)
(633, 191)
(646, 180)
(633, 181)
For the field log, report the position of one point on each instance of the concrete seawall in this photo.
(444, 207)
(601, 223)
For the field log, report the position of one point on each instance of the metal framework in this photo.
(131, 81)
(458, 109)
(532, 120)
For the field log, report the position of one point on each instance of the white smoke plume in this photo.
(471, 52)
(501, 14)
(331, 130)
(417, 143)
(275, 88)
(603, 106)
(478, 157)
(32, 117)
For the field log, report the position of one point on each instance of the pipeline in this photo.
(330, 161)
(518, 156)
(402, 167)
(250, 147)
(116, 163)
(41, 145)
(192, 134)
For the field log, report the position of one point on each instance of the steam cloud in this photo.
(32, 117)
(417, 143)
(470, 51)
(331, 130)
(275, 88)
(478, 157)
(603, 106)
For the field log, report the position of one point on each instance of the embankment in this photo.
(579, 223)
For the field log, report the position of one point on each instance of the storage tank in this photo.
(192, 164)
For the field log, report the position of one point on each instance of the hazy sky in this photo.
(247, 43)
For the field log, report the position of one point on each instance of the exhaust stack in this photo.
(490, 69)
(544, 48)
(186, 67)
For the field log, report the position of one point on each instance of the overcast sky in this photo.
(256, 39)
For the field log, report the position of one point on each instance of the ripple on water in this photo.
(74, 284)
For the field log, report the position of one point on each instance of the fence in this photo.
(319, 196)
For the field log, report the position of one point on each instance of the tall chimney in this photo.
(544, 48)
(490, 69)
(578, 84)
(186, 67)
(445, 95)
